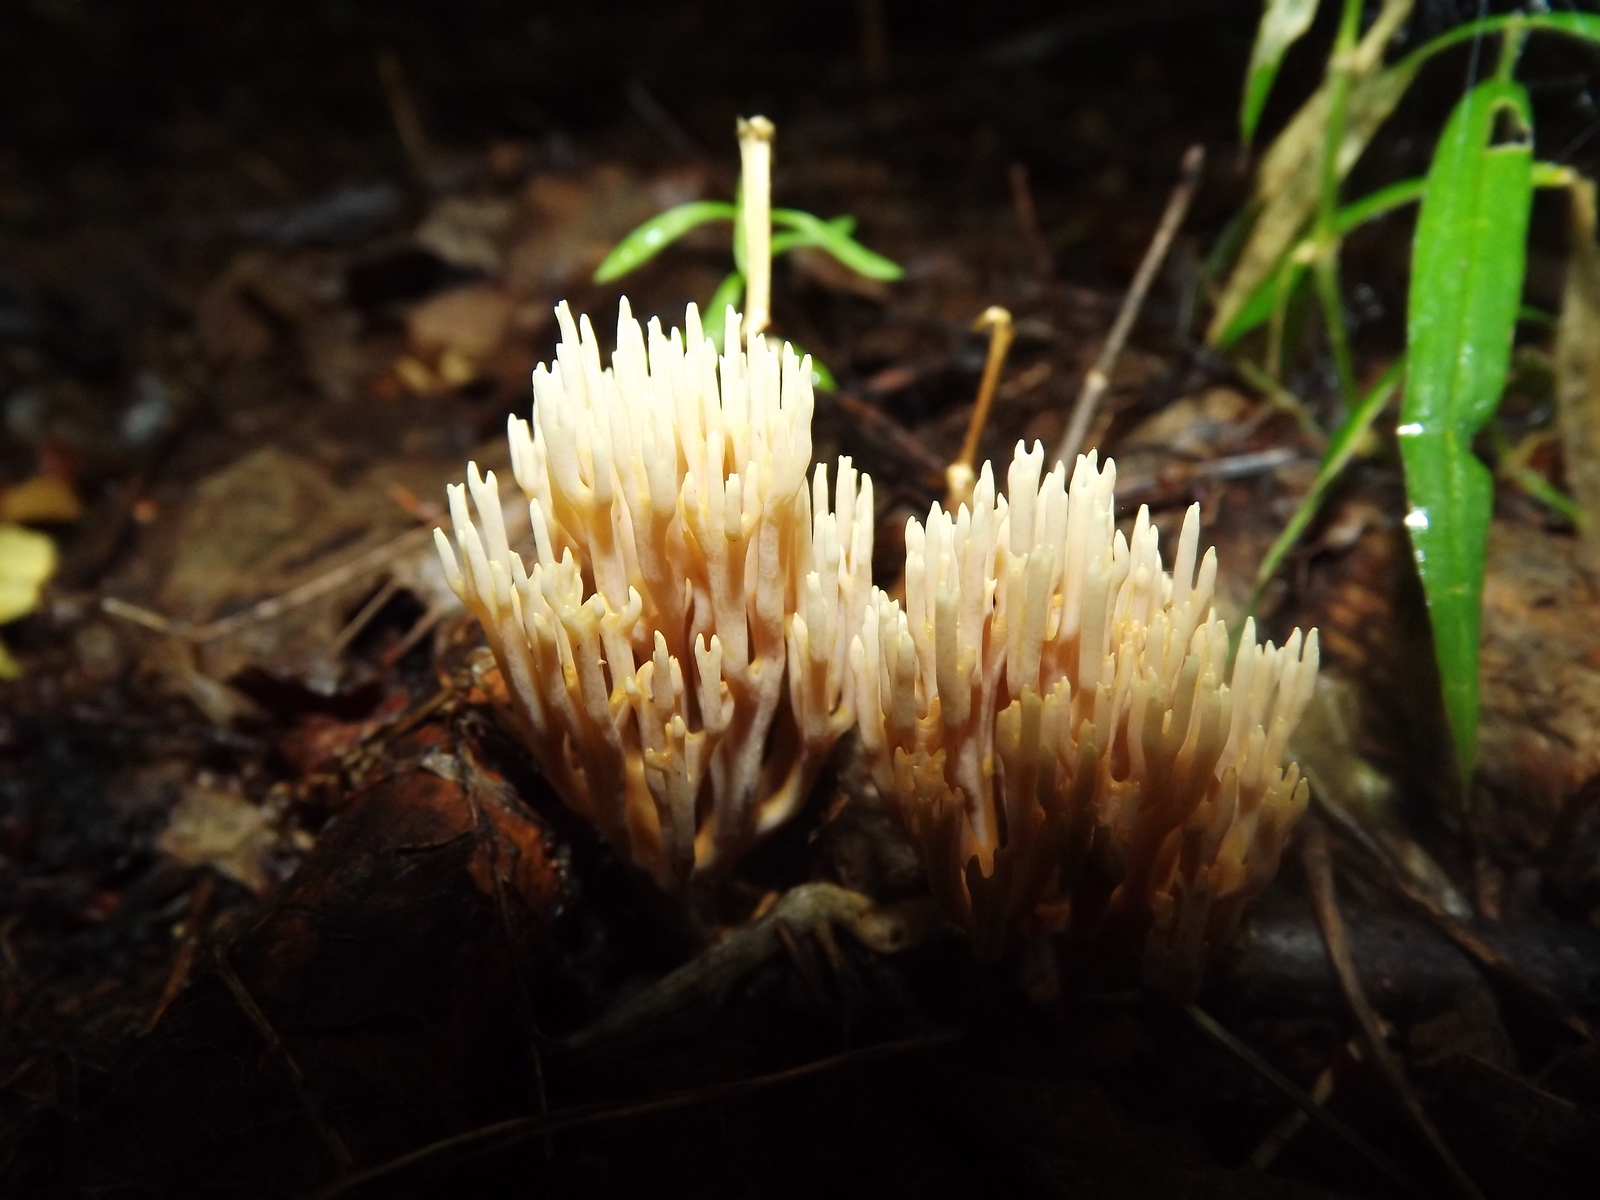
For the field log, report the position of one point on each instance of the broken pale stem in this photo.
(755, 159)
(961, 475)
(1099, 376)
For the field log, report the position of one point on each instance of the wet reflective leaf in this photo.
(1466, 287)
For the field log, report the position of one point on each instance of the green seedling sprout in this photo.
(1467, 271)
(755, 243)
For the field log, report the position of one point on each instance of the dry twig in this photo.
(183, 961)
(252, 1011)
(711, 974)
(1028, 219)
(1292, 1092)
(273, 607)
(1319, 874)
(504, 1134)
(1099, 376)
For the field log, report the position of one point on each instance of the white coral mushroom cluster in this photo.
(676, 656)
(1048, 718)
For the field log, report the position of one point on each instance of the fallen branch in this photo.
(1098, 379)
(1319, 874)
(503, 1134)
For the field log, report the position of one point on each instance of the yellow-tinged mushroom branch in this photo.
(1048, 719)
(676, 656)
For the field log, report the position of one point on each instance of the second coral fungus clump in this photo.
(676, 656)
(1049, 719)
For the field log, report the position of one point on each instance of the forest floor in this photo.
(280, 900)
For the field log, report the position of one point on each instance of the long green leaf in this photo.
(1467, 270)
(656, 234)
(1283, 23)
(1578, 25)
(730, 292)
(789, 239)
(837, 241)
(1341, 449)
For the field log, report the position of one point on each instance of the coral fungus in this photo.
(1048, 720)
(676, 655)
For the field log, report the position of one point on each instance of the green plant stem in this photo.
(1341, 449)
(1327, 225)
(1579, 25)
(1516, 35)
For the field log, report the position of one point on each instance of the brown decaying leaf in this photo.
(1577, 365)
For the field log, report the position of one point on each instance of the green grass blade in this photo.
(1585, 26)
(821, 378)
(1341, 448)
(656, 234)
(1283, 23)
(1467, 269)
(789, 239)
(836, 240)
(729, 292)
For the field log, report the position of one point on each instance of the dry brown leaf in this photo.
(44, 498)
(1577, 367)
(469, 321)
(213, 826)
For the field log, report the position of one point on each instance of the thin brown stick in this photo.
(891, 435)
(403, 112)
(1028, 218)
(252, 1011)
(1495, 963)
(710, 975)
(183, 962)
(1285, 1130)
(362, 619)
(273, 607)
(1319, 874)
(518, 1129)
(1296, 1095)
(1099, 376)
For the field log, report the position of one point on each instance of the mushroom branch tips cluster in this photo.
(1048, 719)
(676, 655)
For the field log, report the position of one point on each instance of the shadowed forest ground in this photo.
(282, 901)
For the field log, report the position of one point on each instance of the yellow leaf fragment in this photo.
(27, 559)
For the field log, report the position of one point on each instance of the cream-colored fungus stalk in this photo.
(1047, 717)
(676, 655)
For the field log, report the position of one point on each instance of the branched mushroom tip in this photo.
(1047, 718)
(676, 655)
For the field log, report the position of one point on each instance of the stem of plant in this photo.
(755, 160)
(1516, 35)
(1327, 226)
(962, 474)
